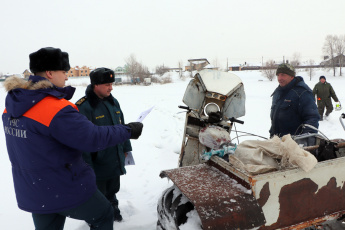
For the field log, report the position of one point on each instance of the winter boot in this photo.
(117, 214)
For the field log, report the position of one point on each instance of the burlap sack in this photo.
(257, 157)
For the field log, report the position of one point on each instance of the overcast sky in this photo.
(105, 32)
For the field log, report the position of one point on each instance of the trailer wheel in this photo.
(172, 209)
(328, 225)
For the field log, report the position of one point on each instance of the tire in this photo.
(328, 225)
(172, 209)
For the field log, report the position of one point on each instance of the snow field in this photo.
(159, 145)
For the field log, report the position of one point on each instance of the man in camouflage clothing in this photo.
(324, 92)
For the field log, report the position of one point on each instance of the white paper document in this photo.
(129, 160)
(144, 114)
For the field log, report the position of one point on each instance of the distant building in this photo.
(172, 69)
(27, 73)
(235, 68)
(245, 66)
(209, 66)
(120, 70)
(196, 64)
(19, 75)
(2, 77)
(79, 71)
(338, 61)
(121, 76)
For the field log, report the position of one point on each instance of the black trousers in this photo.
(109, 188)
(97, 212)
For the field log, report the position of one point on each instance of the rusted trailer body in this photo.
(287, 199)
(294, 197)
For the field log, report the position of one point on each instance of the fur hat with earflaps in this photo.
(49, 58)
(102, 76)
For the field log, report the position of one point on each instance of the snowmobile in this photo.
(227, 197)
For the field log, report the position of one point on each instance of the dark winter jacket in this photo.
(45, 136)
(293, 105)
(110, 162)
(324, 92)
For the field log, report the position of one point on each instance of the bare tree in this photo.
(340, 50)
(131, 67)
(310, 69)
(269, 70)
(215, 62)
(143, 72)
(160, 70)
(136, 70)
(296, 59)
(329, 49)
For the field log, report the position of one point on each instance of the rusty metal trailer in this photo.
(288, 199)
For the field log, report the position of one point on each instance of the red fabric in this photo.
(44, 111)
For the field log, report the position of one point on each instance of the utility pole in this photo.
(262, 60)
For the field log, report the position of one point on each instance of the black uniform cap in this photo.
(102, 76)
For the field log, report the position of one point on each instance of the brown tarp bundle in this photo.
(257, 157)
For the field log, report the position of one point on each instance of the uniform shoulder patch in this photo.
(81, 101)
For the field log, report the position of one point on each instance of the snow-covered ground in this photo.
(159, 145)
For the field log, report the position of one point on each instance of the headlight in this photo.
(211, 107)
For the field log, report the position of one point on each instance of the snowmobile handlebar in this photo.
(184, 107)
(232, 119)
(187, 108)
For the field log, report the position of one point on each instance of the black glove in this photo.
(214, 117)
(136, 129)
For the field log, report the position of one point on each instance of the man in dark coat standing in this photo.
(324, 92)
(293, 104)
(101, 108)
(45, 137)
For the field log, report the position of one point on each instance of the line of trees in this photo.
(138, 71)
(333, 48)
